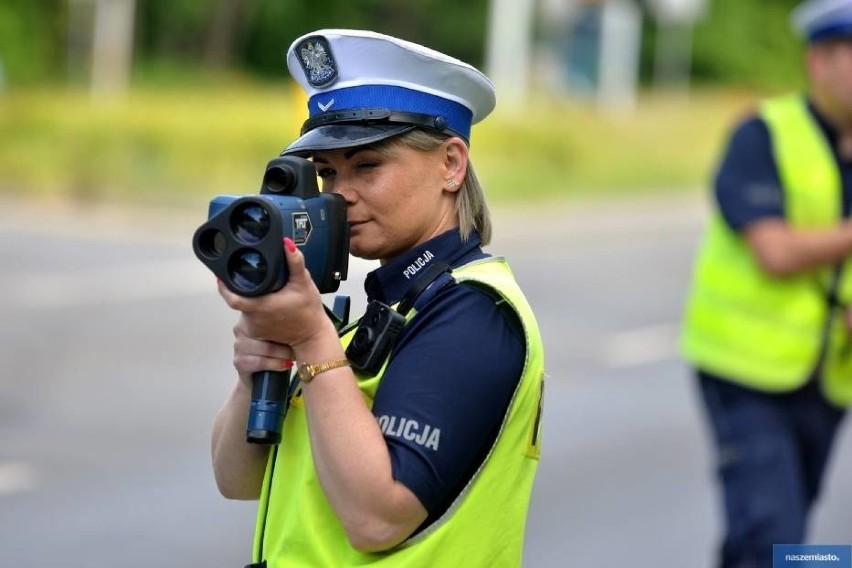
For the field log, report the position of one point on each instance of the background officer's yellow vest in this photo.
(484, 527)
(767, 332)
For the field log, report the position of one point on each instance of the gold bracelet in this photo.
(307, 371)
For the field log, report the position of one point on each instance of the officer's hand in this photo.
(294, 315)
(252, 355)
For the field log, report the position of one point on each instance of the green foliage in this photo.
(154, 146)
(31, 39)
(670, 142)
(189, 130)
(173, 146)
(739, 42)
(172, 28)
(276, 23)
(748, 42)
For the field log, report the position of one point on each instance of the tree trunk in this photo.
(229, 17)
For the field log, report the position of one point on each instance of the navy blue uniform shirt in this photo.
(451, 375)
(748, 186)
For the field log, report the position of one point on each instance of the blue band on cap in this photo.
(391, 97)
(830, 32)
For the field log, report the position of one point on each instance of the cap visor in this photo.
(337, 136)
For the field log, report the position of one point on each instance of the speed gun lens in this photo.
(247, 269)
(250, 223)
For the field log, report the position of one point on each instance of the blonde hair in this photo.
(471, 206)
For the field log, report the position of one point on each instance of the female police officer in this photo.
(431, 461)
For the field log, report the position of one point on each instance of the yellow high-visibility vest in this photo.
(296, 526)
(762, 331)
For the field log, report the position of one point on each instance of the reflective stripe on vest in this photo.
(742, 324)
(484, 527)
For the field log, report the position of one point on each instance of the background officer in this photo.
(764, 326)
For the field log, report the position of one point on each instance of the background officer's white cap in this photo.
(818, 20)
(364, 87)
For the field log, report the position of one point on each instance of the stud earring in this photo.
(452, 184)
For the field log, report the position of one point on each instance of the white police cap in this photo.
(364, 87)
(818, 20)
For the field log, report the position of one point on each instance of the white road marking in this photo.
(17, 477)
(641, 346)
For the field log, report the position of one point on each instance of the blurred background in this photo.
(119, 119)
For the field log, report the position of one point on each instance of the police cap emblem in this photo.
(317, 61)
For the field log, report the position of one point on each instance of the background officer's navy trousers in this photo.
(772, 450)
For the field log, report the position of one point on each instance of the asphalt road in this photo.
(115, 355)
